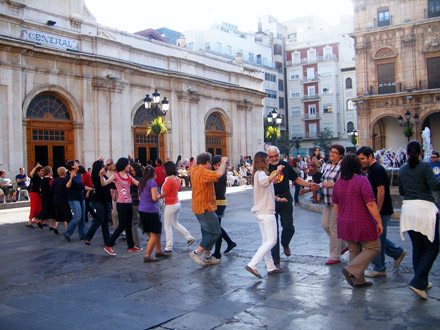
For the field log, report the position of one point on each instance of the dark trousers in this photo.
(89, 209)
(125, 217)
(297, 190)
(102, 218)
(220, 210)
(284, 211)
(424, 255)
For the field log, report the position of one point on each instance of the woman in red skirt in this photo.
(36, 176)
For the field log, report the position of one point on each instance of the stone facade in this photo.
(93, 80)
(397, 70)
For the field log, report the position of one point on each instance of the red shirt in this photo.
(87, 180)
(160, 175)
(171, 187)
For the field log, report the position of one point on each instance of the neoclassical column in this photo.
(190, 126)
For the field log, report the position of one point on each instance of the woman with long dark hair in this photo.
(149, 213)
(170, 190)
(101, 201)
(123, 181)
(419, 215)
(264, 211)
(358, 220)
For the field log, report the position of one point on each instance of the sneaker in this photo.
(374, 273)
(197, 258)
(190, 241)
(135, 249)
(399, 260)
(421, 293)
(168, 252)
(212, 261)
(109, 250)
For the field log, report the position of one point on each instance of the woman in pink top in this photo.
(170, 190)
(123, 182)
(358, 220)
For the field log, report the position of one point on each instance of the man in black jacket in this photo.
(378, 177)
(284, 201)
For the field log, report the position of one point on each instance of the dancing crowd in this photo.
(355, 190)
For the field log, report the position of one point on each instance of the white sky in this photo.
(181, 15)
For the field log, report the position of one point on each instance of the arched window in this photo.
(142, 117)
(350, 126)
(214, 123)
(47, 106)
(348, 83)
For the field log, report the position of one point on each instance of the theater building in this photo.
(72, 89)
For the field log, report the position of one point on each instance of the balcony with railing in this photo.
(311, 97)
(309, 116)
(307, 60)
(401, 87)
(308, 79)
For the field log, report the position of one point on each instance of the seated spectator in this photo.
(22, 182)
(244, 174)
(231, 179)
(7, 187)
(183, 174)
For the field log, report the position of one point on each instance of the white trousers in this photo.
(171, 215)
(268, 229)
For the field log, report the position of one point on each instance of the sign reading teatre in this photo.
(44, 38)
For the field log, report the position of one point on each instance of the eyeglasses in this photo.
(274, 156)
(109, 164)
(335, 152)
(434, 157)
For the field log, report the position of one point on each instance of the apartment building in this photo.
(320, 81)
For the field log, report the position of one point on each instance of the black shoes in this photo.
(230, 247)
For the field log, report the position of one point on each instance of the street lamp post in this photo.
(157, 125)
(353, 134)
(408, 131)
(297, 140)
(275, 120)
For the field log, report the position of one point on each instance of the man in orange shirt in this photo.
(204, 206)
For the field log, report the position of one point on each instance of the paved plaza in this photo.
(48, 283)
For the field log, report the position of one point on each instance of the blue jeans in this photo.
(210, 229)
(102, 218)
(386, 248)
(424, 255)
(78, 209)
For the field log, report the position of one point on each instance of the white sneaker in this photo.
(197, 258)
(212, 261)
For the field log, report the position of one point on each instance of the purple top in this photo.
(146, 203)
(355, 222)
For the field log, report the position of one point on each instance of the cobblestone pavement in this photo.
(48, 283)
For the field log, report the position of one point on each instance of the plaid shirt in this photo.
(330, 174)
